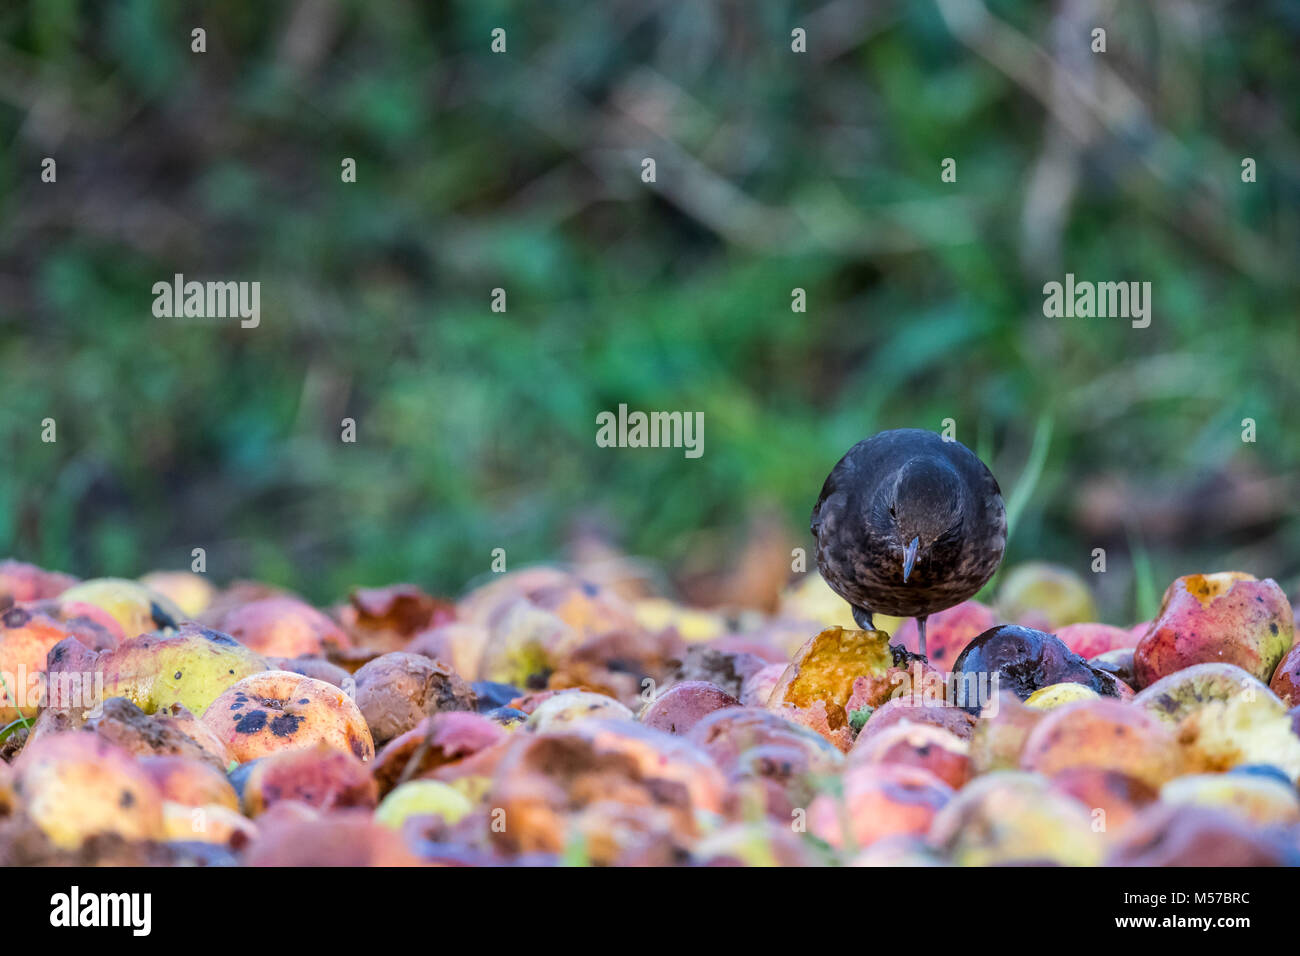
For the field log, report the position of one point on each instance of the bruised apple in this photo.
(189, 782)
(1107, 735)
(319, 776)
(1286, 679)
(948, 632)
(26, 640)
(20, 582)
(1174, 697)
(933, 748)
(190, 667)
(1000, 733)
(1055, 695)
(283, 626)
(684, 705)
(280, 710)
(76, 786)
(910, 710)
(419, 798)
(1090, 640)
(1010, 817)
(567, 707)
(617, 783)
(1257, 799)
(879, 800)
(1227, 617)
(136, 608)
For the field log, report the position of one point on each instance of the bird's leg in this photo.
(863, 618)
(920, 630)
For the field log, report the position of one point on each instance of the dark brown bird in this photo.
(908, 524)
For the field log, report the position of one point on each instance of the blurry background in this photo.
(775, 170)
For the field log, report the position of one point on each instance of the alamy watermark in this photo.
(1102, 300)
(62, 690)
(179, 299)
(651, 430)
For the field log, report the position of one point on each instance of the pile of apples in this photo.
(547, 719)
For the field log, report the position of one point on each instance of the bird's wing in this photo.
(832, 484)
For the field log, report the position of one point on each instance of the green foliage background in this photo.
(775, 171)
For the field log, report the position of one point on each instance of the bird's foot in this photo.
(863, 619)
(920, 633)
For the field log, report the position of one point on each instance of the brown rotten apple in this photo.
(1228, 617)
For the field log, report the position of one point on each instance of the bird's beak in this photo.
(909, 558)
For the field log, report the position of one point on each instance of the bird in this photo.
(908, 523)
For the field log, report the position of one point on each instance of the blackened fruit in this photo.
(1025, 660)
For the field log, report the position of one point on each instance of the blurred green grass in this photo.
(775, 171)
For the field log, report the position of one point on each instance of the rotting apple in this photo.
(136, 608)
(1022, 660)
(190, 782)
(550, 785)
(1174, 697)
(910, 710)
(999, 735)
(212, 823)
(1118, 796)
(321, 776)
(1183, 835)
(1286, 678)
(456, 741)
(284, 626)
(190, 592)
(819, 683)
(279, 710)
(395, 691)
(1245, 728)
(1055, 695)
(1011, 817)
(387, 619)
(940, 751)
(422, 798)
(1107, 735)
(1089, 639)
(1257, 799)
(189, 667)
(20, 581)
(459, 644)
(26, 640)
(879, 800)
(947, 632)
(76, 786)
(685, 704)
(1227, 617)
(567, 707)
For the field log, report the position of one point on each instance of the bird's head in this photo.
(922, 506)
